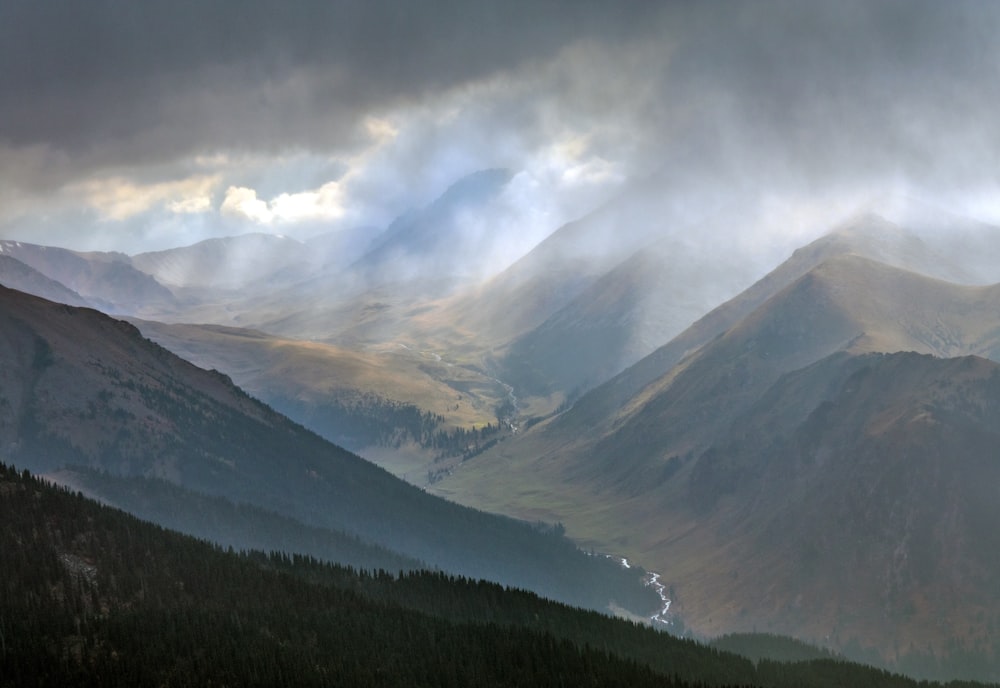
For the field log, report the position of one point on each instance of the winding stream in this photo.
(662, 616)
(652, 580)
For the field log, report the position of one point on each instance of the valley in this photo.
(500, 343)
(730, 454)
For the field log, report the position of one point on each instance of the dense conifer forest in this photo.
(93, 596)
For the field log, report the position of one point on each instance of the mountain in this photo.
(105, 280)
(228, 263)
(80, 388)
(445, 239)
(623, 316)
(847, 303)
(16, 275)
(243, 527)
(672, 476)
(564, 264)
(866, 235)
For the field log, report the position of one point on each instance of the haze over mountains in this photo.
(707, 451)
(621, 378)
(680, 311)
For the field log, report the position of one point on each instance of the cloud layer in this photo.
(132, 126)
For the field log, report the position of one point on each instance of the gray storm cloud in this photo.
(760, 96)
(110, 79)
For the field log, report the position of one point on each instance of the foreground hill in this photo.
(218, 520)
(80, 388)
(92, 596)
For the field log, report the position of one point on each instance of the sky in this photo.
(136, 126)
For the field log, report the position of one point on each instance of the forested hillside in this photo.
(93, 596)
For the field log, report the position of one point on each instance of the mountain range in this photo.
(748, 450)
(759, 432)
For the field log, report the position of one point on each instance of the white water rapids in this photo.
(662, 616)
(652, 580)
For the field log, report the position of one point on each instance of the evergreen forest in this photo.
(91, 596)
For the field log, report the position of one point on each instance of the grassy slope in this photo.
(271, 366)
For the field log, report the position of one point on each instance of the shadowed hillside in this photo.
(92, 596)
(82, 389)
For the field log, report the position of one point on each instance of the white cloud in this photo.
(324, 203)
(243, 202)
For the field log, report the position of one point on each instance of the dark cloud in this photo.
(113, 78)
(117, 81)
(765, 96)
(847, 87)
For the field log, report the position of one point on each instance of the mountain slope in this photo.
(443, 239)
(92, 596)
(847, 303)
(879, 469)
(623, 316)
(658, 479)
(80, 388)
(16, 275)
(364, 400)
(105, 280)
(868, 235)
(228, 263)
(241, 526)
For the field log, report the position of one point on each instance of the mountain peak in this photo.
(444, 238)
(476, 187)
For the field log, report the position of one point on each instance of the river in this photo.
(652, 580)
